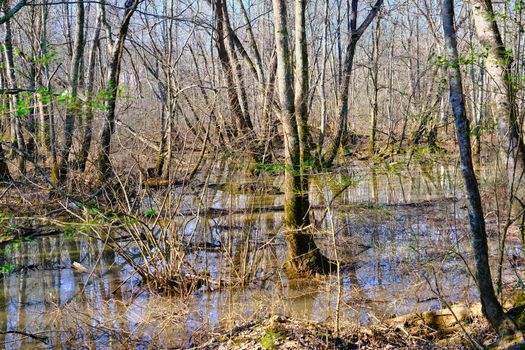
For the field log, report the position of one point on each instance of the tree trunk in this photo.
(5, 176)
(17, 137)
(375, 86)
(490, 305)
(87, 131)
(234, 79)
(344, 86)
(498, 65)
(303, 255)
(73, 107)
(301, 82)
(105, 170)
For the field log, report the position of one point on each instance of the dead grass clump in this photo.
(155, 323)
(276, 332)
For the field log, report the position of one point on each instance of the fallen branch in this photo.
(40, 338)
(144, 140)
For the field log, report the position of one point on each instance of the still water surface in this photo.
(399, 254)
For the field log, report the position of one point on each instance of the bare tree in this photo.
(105, 170)
(60, 169)
(491, 307)
(356, 32)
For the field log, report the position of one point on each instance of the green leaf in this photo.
(150, 213)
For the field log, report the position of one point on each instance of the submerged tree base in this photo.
(305, 258)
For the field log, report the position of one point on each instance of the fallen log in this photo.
(439, 319)
(159, 182)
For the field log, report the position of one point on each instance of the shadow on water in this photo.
(393, 227)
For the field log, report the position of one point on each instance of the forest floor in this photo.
(279, 332)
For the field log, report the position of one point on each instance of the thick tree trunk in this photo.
(491, 307)
(498, 65)
(105, 170)
(87, 130)
(303, 255)
(301, 81)
(73, 107)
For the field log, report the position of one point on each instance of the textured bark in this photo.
(301, 81)
(73, 108)
(233, 99)
(498, 66)
(491, 307)
(105, 170)
(17, 137)
(87, 130)
(303, 255)
(226, 42)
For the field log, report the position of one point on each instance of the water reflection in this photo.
(387, 241)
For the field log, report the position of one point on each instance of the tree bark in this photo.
(105, 170)
(73, 107)
(303, 255)
(17, 137)
(491, 307)
(355, 34)
(375, 87)
(498, 65)
(87, 130)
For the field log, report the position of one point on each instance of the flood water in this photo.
(397, 230)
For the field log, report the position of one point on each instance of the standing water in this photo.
(399, 234)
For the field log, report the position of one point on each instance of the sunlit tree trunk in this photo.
(498, 65)
(42, 98)
(490, 305)
(303, 254)
(87, 129)
(59, 174)
(17, 137)
(344, 85)
(105, 170)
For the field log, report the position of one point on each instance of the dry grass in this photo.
(158, 322)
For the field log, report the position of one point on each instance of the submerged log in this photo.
(160, 182)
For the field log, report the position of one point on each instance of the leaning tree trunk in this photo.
(490, 305)
(105, 170)
(498, 65)
(233, 75)
(344, 85)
